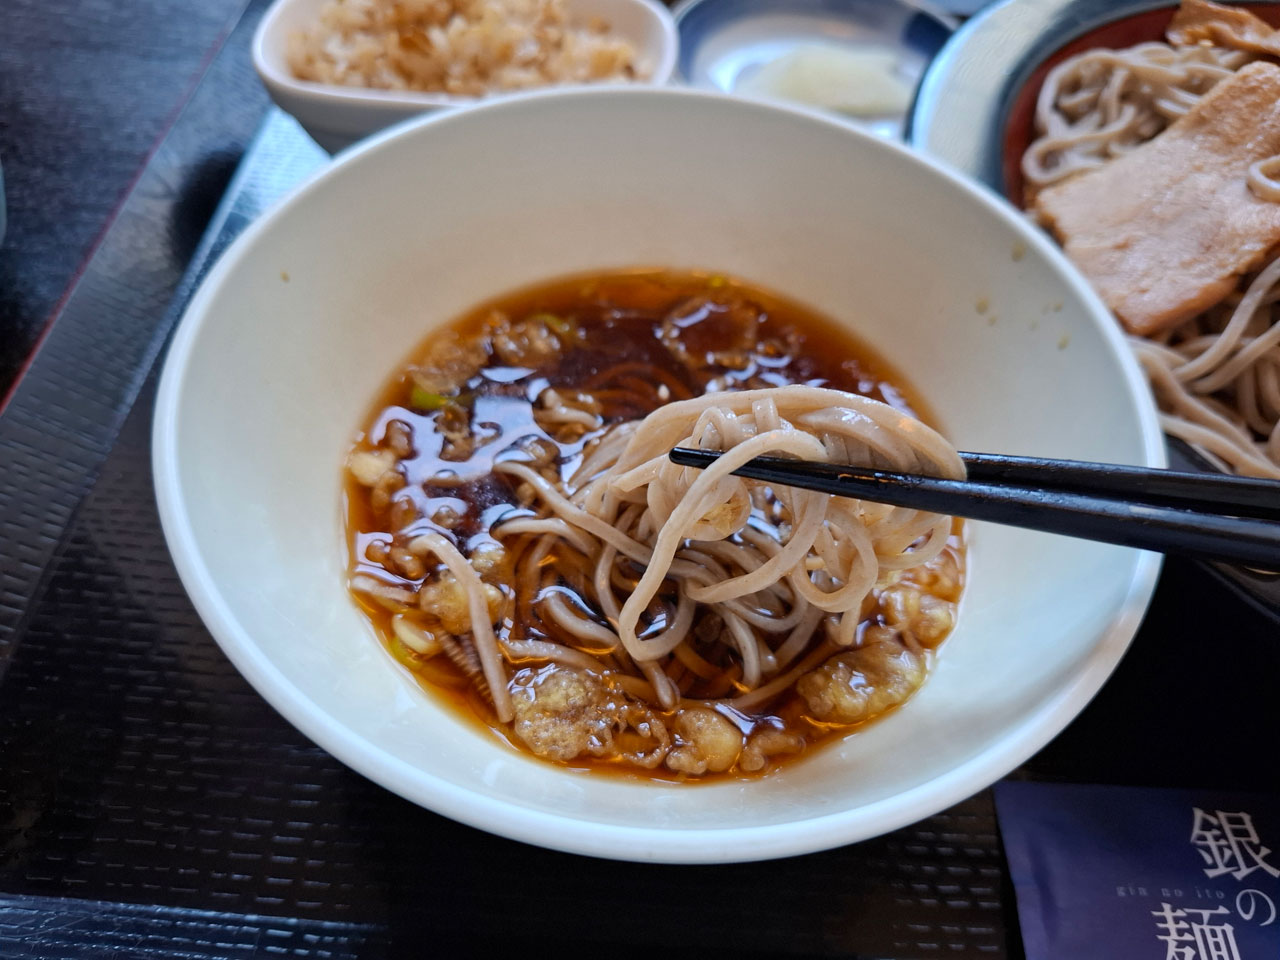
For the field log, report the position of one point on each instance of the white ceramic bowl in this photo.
(268, 379)
(337, 116)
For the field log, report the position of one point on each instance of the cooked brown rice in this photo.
(461, 47)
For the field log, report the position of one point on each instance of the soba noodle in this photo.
(819, 557)
(1097, 105)
(1217, 378)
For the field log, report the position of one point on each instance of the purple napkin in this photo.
(1132, 873)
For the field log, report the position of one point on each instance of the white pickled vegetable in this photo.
(862, 82)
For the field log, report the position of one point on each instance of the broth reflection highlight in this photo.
(523, 545)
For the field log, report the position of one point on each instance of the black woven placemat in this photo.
(39, 928)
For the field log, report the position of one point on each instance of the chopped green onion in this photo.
(421, 399)
(402, 654)
(716, 282)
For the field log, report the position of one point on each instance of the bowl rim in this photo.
(682, 9)
(636, 843)
(984, 69)
(985, 64)
(276, 77)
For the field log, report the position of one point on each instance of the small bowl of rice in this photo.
(348, 68)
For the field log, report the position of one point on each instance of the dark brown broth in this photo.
(619, 357)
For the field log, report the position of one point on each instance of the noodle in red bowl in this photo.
(1142, 89)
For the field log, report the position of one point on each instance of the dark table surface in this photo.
(148, 796)
(87, 88)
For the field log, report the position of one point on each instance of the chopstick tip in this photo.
(687, 457)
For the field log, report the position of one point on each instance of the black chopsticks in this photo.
(1230, 519)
